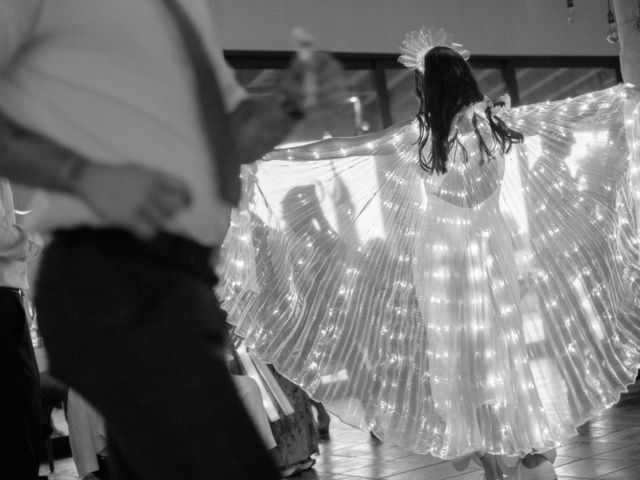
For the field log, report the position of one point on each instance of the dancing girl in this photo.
(471, 272)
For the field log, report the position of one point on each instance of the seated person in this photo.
(249, 393)
(296, 433)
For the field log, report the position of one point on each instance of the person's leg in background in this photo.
(323, 419)
(87, 436)
(143, 342)
(251, 397)
(20, 387)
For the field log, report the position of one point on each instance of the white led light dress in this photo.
(494, 307)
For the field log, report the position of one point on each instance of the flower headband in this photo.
(416, 44)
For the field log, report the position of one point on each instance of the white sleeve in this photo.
(17, 19)
(15, 241)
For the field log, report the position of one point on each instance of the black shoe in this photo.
(307, 464)
(324, 433)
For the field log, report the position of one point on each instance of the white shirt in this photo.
(16, 246)
(110, 79)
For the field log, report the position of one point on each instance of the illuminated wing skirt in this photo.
(492, 308)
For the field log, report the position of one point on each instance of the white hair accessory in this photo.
(417, 43)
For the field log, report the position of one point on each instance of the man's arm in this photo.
(127, 196)
(260, 125)
(32, 159)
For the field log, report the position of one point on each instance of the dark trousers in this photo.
(135, 328)
(20, 387)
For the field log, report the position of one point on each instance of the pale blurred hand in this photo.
(329, 81)
(132, 197)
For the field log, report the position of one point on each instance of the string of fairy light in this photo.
(612, 27)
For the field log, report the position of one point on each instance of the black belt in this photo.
(17, 291)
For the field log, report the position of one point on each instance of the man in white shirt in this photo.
(103, 108)
(19, 377)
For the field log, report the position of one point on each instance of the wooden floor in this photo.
(607, 448)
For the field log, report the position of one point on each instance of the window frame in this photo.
(378, 63)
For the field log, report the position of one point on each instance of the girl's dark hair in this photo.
(447, 86)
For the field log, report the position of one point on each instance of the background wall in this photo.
(486, 27)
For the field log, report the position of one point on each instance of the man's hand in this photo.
(135, 198)
(260, 125)
(132, 197)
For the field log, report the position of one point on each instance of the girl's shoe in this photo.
(462, 463)
(297, 469)
(307, 464)
(292, 471)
